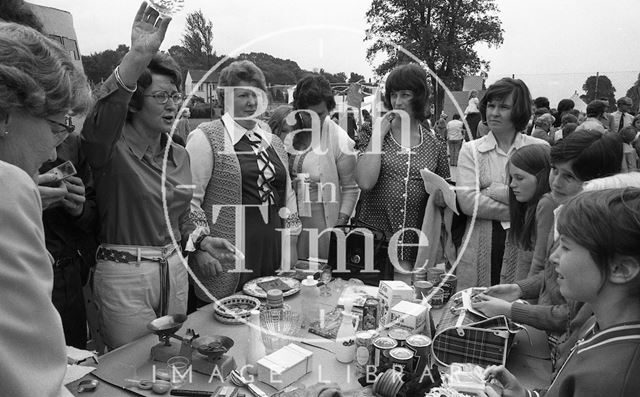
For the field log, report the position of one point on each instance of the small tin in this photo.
(399, 334)
(382, 345)
(422, 288)
(403, 358)
(370, 314)
(437, 297)
(421, 346)
(433, 275)
(364, 351)
(449, 285)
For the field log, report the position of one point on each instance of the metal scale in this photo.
(206, 353)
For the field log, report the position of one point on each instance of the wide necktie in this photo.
(265, 167)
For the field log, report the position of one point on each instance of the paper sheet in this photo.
(433, 182)
(75, 372)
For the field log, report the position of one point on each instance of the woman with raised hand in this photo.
(139, 272)
(39, 87)
(391, 156)
(483, 194)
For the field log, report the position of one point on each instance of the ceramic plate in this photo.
(251, 287)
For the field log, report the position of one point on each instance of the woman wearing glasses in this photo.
(38, 86)
(139, 273)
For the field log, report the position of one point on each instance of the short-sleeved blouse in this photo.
(398, 199)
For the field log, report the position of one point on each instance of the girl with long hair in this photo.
(528, 170)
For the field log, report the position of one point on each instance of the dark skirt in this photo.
(473, 119)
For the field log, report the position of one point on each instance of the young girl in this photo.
(599, 264)
(531, 215)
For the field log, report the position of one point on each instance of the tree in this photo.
(355, 77)
(634, 94)
(599, 87)
(441, 33)
(198, 37)
(99, 65)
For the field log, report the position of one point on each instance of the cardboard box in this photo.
(412, 316)
(389, 294)
(285, 366)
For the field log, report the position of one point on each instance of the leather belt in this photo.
(127, 257)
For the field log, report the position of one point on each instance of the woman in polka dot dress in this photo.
(391, 156)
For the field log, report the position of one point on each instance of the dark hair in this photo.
(568, 129)
(162, 64)
(596, 108)
(593, 154)
(606, 223)
(535, 160)
(628, 134)
(277, 119)
(237, 72)
(312, 90)
(568, 118)
(521, 110)
(541, 102)
(563, 106)
(413, 78)
(456, 116)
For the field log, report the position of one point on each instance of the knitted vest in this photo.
(225, 188)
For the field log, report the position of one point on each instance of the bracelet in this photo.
(121, 83)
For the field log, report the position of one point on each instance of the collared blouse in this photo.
(128, 176)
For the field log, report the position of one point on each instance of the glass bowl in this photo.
(279, 328)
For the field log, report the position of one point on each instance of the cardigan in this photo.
(337, 173)
(224, 188)
(483, 159)
(32, 344)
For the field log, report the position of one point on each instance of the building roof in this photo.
(196, 75)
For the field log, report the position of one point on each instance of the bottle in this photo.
(345, 347)
(310, 297)
(166, 8)
(256, 346)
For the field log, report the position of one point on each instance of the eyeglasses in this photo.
(67, 129)
(162, 97)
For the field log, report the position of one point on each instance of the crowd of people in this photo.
(549, 202)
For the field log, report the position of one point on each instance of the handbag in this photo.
(362, 241)
(466, 337)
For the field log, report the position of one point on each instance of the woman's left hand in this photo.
(75, 198)
(491, 306)
(509, 385)
(221, 250)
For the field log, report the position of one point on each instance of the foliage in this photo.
(440, 33)
(634, 93)
(604, 90)
(355, 77)
(198, 37)
(99, 65)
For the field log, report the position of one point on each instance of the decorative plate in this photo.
(252, 288)
(235, 309)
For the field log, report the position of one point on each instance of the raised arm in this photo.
(103, 126)
(370, 160)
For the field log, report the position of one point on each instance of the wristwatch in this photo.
(198, 241)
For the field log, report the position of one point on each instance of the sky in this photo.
(553, 45)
